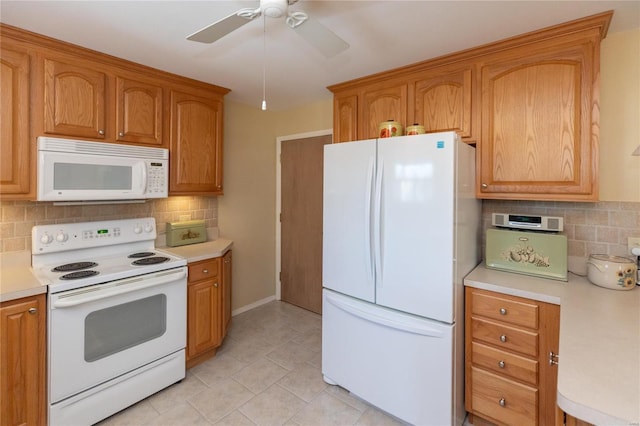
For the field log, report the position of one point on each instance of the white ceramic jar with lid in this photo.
(614, 272)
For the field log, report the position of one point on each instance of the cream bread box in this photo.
(541, 254)
(187, 232)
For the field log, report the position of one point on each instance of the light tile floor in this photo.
(267, 372)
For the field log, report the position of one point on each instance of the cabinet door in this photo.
(226, 292)
(15, 170)
(195, 158)
(203, 321)
(537, 138)
(22, 362)
(345, 118)
(381, 104)
(138, 112)
(74, 100)
(442, 101)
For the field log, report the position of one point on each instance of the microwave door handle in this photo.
(144, 177)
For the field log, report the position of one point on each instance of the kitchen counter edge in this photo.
(596, 336)
(201, 251)
(16, 279)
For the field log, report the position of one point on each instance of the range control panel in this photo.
(72, 236)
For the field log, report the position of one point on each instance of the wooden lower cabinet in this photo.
(508, 377)
(208, 307)
(22, 361)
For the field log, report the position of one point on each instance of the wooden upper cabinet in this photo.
(74, 100)
(138, 112)
(537, 135)
(443, 101)
(345, 118)
(15, 146)
(381, 104)
(195, 162)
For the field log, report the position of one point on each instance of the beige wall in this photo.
(247, 210)
(620, 116)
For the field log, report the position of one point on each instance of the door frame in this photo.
(279, 141)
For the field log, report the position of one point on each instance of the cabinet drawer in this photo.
(505, 363)
(502, 399)
(505, 337)
(203, 270)
(503, 309)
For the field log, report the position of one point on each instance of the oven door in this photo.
(99, 332)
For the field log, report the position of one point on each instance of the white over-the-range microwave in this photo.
(74, 170)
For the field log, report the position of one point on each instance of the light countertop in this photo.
(599, 353)
(201, 251)
(16, 279)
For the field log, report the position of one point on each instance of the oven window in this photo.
(117, 328)
(91, 176)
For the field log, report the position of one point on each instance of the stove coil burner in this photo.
(150, 261)
(74, 266)
(141, 254)
(79, 274)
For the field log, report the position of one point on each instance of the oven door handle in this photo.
(115, 288)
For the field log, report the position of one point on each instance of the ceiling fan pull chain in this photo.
(264, 63)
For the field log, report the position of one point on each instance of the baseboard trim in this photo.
(253, 305)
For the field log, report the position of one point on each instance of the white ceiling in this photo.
(382, 35)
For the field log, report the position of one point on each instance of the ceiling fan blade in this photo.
(224, 26)
(321, 37)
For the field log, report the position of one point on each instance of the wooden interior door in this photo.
(301, 222)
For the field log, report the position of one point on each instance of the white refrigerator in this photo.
(401, 229)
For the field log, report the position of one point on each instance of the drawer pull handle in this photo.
(205, 271)
(503, 338)
(553, 358)
(501, 364)
(33, 311)
(503, 311)
(502, 402)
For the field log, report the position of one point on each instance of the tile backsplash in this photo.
(601, 227)
(18, 217)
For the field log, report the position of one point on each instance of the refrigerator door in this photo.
(414, 226)
(397, 362)
(347, 263)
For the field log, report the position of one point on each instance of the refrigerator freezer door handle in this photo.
(387, 321)
(377, 224)
(368, 219)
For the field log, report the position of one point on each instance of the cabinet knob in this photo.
(503, 311)
(502, 402)
(33, 311)
(501, 364)
(205, 271)
(121, 134)
(215, 284)
(484, 186)
(503, 338)
(101, 132)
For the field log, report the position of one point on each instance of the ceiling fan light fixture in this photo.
(274, 8)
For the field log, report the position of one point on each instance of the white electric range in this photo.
(116, 316)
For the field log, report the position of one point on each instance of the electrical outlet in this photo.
(186, 217)
(633, 242)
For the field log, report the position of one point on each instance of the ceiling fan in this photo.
(319, 36)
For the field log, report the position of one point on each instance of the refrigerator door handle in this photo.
(368, 217)
(387, 321)
(377, 223)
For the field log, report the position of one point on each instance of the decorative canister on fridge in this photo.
(389, 128)
(415, 129)
(614, 272)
